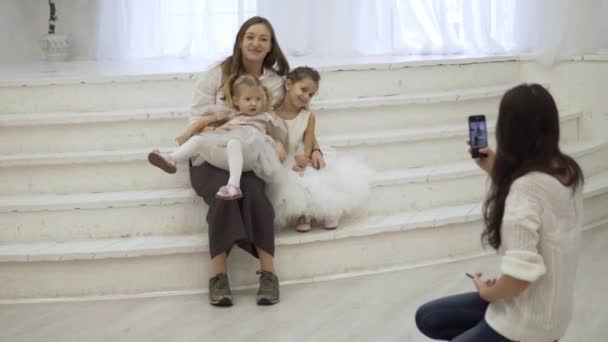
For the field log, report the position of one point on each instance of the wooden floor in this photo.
(371, 308)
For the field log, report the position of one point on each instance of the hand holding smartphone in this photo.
(478, 135)
(488, 283)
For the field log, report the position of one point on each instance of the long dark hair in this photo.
(275, 59)
(527, 139)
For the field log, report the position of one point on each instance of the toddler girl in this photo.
(240, 144)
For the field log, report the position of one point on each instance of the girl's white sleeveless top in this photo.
(295, 132)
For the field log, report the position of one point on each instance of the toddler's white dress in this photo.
(259, 153)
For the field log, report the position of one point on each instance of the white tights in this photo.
(228, 158)
(234, 151)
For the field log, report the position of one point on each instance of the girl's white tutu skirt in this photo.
(341, 189)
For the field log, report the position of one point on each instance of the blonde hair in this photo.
(231, 89)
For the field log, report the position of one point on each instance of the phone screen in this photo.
(478, 133)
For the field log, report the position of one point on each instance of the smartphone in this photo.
(478, 135)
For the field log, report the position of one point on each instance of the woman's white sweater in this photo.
(540, 233)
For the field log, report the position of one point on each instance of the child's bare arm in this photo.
(311, 144)
(271, 131)
(196, 127)
(310, 138)
(278, 144)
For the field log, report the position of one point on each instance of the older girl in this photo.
(314, 192)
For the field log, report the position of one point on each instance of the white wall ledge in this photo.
(47, 73)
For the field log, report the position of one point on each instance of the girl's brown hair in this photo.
(303, 72)
(275, 59)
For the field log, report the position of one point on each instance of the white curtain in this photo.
(139, 29)
(551, 29)
(558, 29)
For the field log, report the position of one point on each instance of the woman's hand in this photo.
(486, 163)
(317, 160)
(483, 286)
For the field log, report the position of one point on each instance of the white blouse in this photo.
(540, 234)
(209, 97)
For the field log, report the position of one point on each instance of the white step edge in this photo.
(204, 290)
(416, 98)
(341, 140)
(321, 65)
(467, 168)
(594, 57)
(196, 243)
(73, 118)
(59, 80)
(421, 61)
(62, 118)
(89, 157)
(416, 134)
(50, 202)
(596, 185)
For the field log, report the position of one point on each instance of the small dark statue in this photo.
(53, 17)
(55, 46)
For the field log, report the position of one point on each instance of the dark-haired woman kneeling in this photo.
(533, 218)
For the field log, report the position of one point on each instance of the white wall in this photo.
(23, 22)
(577, 85)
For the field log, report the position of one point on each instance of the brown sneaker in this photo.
(268, 293)
(219, 290)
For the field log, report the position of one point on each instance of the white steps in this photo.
(376, 113)
(102, 215)
(83, 214)
(67, 217)
(390, 150)
(136, 128)
(124, 170)
(95, 95)
(385, 80)
(426, 187)
(177, 263)
(176, 89)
